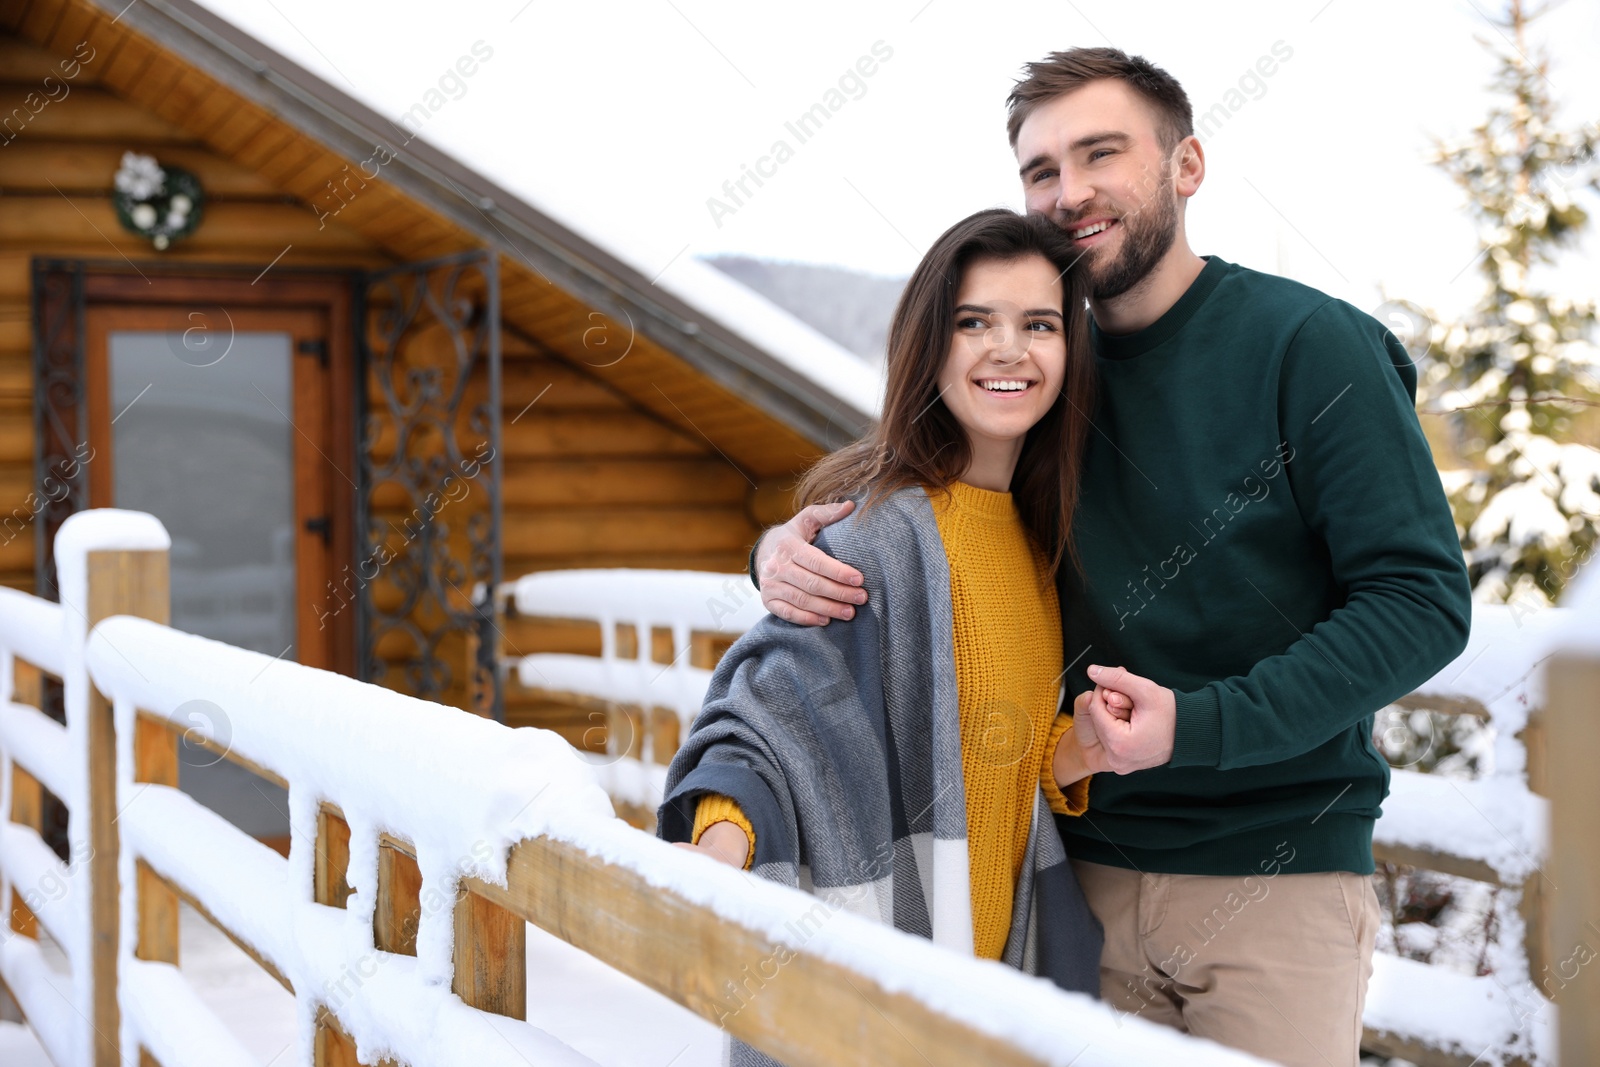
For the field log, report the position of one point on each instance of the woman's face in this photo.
(1008, 349)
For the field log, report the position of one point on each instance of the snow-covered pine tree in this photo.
(1512, 374)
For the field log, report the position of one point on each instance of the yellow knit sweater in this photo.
(1007, 636)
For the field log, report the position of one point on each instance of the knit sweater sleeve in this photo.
(1365, 482)
(1074, 800)
(714, 808)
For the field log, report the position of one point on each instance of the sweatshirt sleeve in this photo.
(714, 808)
(1074, 800)
(1364, 480)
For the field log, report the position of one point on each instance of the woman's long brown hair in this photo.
(918, 441)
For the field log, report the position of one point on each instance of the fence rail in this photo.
(424, 840)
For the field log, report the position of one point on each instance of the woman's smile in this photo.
(1006, 388)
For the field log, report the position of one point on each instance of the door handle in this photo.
(323, 525)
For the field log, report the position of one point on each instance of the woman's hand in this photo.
(1087, 756)
(724, 842)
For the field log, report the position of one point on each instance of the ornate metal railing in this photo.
(428, 512)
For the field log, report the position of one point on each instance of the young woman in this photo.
(904, 764)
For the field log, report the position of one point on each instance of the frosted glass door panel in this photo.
(208, 447)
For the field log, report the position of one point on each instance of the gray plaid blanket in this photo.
(841, 744)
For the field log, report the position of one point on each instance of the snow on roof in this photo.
(755, 318)
(478, 144)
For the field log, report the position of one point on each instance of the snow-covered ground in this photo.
(571, 995)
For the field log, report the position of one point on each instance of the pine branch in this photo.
(1552, 399)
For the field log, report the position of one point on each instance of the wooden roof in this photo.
(257, 108)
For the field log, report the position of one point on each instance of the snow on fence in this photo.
(661, 632)
(1492, 829)
(424, 839)
(71, 901)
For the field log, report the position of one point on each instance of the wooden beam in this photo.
(99, 115)
(177, 732)
(1573, 720)
(548, 531)
(1444, 705)
(635, 815)
(84, 169)
(490, 956)
(664, 735)
(1534, 738)
(120, 583)
(706, 648)
(22, 919)
(252, 228)
(771, 502)
(1410, 1049)
(333, 1047)
(717, 561)
(205, 913)
(1534, 905)
(27, 683)
(661, 650)
(27, 798)
(1434, 860)
(696, 958)
(395, 919)
(624, 730)
(627, 640)
(155, 760)
(27, 795)
(155, 751)
(157, 917)
(331, 876)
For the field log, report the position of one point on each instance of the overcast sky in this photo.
(627, 117)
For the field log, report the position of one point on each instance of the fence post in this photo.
(119, 582)
(1534, 905)
(331, 871)
(490, 959)
(155, 760)
(27, 809)
(1572, 719)
(399, 907)
(27, 795)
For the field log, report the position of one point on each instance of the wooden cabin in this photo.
(360, 383)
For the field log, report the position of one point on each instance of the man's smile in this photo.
(1088, 233)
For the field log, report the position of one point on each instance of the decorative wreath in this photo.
(161, 203)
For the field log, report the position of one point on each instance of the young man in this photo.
(1268, 559)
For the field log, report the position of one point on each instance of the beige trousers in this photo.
(1274, 965)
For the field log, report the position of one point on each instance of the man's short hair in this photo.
(1060, 73)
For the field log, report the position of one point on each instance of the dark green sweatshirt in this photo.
(1263, 531)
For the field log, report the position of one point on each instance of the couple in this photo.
(1197, 495)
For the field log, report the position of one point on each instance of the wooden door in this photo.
(217, 420)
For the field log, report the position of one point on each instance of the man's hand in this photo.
(724, 842)
(1134, 719)
(800, 582)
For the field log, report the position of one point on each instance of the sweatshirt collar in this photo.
(1128, 345)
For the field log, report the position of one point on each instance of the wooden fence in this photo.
(1489, 830)
(418, 908)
